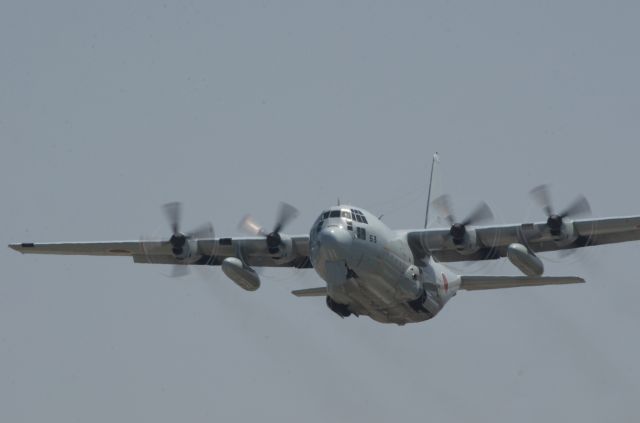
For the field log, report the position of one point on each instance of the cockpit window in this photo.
(359, 216)
(346, 214)
(334, 213)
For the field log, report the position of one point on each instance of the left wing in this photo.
(251, 250)
(491, 242)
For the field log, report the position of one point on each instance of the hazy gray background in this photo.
(110, 109)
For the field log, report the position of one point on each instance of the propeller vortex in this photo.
(178, 240)
(286, 214)
(481, 213)
(578, 207)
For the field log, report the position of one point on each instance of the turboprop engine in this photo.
(184, 246)
(463, 239)
(279, 245)
(560, 227)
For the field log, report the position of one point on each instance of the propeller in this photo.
(481, 213)
(173, 211)
(178, 240)
(579, 206)
(286, 213)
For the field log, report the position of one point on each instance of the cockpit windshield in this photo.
(348, 214)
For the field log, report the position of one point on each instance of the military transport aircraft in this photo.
(392, 276)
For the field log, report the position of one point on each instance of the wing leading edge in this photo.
(252, 250)
(492, 240)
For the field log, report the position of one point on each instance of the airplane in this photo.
(391, 276)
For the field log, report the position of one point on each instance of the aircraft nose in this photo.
(335, 242)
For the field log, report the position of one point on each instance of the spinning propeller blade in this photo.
(251, 227)
(540, 195)
(201, 232)
(579, 206)
(286, 213)
(481, 213)
(444, 208)
(179, 241)
(173, 211)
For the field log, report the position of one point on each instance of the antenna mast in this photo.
(433, 164)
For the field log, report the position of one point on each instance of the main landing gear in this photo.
(341, 310)
(418, 303)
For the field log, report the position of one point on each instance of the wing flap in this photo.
(472, 283)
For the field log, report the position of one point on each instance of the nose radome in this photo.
(335, 241)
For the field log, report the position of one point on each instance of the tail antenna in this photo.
(435, 160)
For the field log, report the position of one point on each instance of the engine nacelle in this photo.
(523, 259)
(284, 249)
(186, 250)
(244, 276)
(468, 244)
(567, 233)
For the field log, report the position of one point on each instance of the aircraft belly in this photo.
(373, 296)
(377, 280)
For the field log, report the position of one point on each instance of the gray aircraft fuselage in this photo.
(370, 269)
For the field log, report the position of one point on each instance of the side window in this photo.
(361, 233)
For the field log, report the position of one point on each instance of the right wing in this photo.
(251, 250)
(492, 240)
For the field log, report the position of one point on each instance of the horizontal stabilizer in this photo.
(311, 292)
(471, 283)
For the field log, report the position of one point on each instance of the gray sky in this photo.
(110, 109)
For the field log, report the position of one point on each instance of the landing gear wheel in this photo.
(417, 304)
(341, 310)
